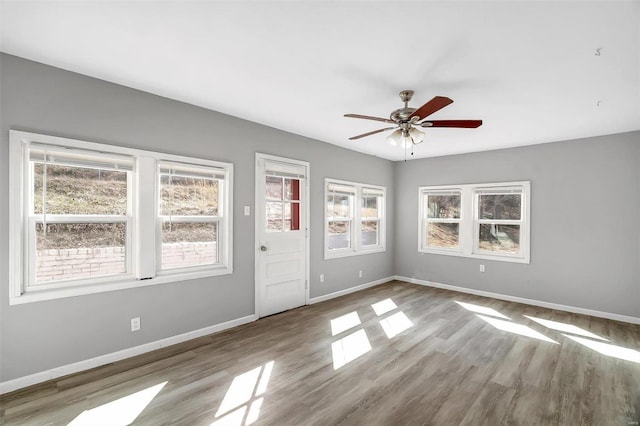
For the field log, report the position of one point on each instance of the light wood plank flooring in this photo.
(443, 365)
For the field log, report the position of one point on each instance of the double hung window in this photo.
(88, 217)
(190, 215)
(371, 216)
(442, 219)
(355, 220)
(488, 221)
(499, 220)
(74, 233)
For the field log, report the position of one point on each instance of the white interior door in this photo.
(281, 234)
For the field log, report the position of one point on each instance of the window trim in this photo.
(468, 236)
(424, 221)
(162, 219)
(355, 220)
(143, 208)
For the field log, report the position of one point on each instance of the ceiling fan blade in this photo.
(466, 124)
(370, 133)
(367, 117)
(435, 104)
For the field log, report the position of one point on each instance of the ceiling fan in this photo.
(406, 120)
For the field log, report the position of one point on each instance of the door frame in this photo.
(258, 219)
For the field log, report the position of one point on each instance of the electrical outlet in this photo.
(360, 274)
(481, 268)
(135, 324)
(321, 278)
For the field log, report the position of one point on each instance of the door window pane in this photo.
(500, 206)
(499, 238)
(292, 189)
(189, 244)
(443, 235)
(274, 188)
(291, 216)
(274, 216)
(282, 215)
(79, 250)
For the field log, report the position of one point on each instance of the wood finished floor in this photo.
(450, 367)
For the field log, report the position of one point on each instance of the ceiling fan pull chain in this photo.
(405, 151)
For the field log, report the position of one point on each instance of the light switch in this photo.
(247, 210)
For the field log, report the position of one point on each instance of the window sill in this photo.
(42, 295)
(499, 258)
(349, 253)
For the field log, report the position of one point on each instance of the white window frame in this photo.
(218, 220)
(469, 224)
(73, 158)
(424, 221)
(144, 241)
(356, 219)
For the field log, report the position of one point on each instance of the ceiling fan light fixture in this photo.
(416, 135)
(395, 137)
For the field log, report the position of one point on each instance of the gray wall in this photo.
(585, 237)
(43, 335)
(585, 228)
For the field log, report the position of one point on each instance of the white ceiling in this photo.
(529, 69)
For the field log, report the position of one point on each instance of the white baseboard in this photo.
(348, 290)
(54, 373)
(567, 308)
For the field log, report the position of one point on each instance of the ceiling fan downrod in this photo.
(403, 115)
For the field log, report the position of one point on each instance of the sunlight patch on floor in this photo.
(345, 322)
(384, 306)
(264, 379)
(349, 348)
(240, 391)
(481, 310)
(395, 324)
(234, 418)
(254, 411)
(514, 328)
(244, 392)
(608, 349)
(240, 416)
(122, 411)
(564, 327)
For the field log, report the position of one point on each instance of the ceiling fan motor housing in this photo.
(402, 115)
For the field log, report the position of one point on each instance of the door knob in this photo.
(263, 248)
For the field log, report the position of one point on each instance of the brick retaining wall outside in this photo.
(57, 264)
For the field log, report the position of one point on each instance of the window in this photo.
(282, 204)
(340, 213)
(488, 221)
(354, 218)
(442, 220)
(498, 220)
(190, 220)
(73, 233)
(87, 217)
(370, 217)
